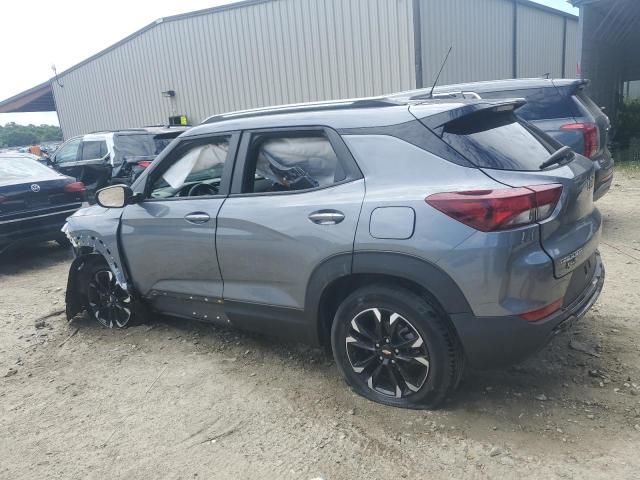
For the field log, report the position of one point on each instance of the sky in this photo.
(65, 32)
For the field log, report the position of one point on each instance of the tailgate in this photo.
(571, 234)
(512, 152)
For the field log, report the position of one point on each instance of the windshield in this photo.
(17, 168)
(139, 146)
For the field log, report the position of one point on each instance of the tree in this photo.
(13, 135)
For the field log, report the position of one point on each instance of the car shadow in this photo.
(32, 257)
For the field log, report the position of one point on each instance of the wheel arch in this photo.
(338, 276)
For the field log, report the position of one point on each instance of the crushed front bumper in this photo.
(498, 341)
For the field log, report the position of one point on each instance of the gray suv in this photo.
(411, 237)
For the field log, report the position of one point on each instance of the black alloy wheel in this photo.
(388, 352)
(108, 302)
(396, 347)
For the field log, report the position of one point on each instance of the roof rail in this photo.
(372, 102)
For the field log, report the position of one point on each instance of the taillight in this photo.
(543, 312)
(144, 163)
(493, 210)
(75, 187)
(590, 135)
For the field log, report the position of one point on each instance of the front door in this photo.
(169, 238)
(295, 201)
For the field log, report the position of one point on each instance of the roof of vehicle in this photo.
(492, 86)
(338, 114)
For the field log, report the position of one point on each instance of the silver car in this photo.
(412, 237)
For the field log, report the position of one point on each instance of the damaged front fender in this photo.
(93, 232)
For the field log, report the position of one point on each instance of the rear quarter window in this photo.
(542, 103)
(498, 141)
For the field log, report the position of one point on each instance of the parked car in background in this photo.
(475, 239)
(105, 158)
(559, 107)
(34, 200)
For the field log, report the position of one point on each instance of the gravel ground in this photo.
(176, 399)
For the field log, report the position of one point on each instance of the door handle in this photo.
(326, 217)
(197, 217)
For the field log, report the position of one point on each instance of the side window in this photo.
(194, 169)
(68, 152)
(290, 162)
(93, 149)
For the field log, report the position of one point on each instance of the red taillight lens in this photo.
(590, 134)
(75, 187)
(543, 312)
(493, 210)
(144, 163)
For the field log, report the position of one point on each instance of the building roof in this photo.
(36, 99)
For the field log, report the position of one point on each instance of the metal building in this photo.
(609, 38)
(266, 52)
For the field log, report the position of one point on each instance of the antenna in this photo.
(444, 62)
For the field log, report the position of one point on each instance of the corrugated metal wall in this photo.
(539, 43)
(282, 51)
(482, 35)
(571, 58)
(285, 51)
(480, 32)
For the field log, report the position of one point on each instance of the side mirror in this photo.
(115, 196)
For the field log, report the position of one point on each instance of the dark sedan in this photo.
(34, 201)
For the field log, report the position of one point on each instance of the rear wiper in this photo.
(556, 157)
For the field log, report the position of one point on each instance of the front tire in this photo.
(395, 347)
(107, 302)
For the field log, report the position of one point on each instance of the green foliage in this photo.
(628, 123)
(12, 135)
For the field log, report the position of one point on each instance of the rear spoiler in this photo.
(438, 120)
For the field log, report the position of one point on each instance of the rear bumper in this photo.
(497, 341)
(35, 228)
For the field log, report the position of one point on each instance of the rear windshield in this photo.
(542, 103)
(499, 141)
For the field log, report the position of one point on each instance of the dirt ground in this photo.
(176, 399)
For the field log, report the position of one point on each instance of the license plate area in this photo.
(580, 279)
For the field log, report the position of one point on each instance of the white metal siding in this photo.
(539, 43)
(480, 32)
(283, 51)
(571, 58)
(287, 51)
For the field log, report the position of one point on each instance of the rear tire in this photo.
(395, 347)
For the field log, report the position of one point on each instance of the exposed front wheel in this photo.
(394, 347)
(107, 302)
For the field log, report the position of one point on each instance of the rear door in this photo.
(169, 238)
(511, 152)
(295, 202)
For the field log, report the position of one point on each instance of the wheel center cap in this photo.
(386, 352)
